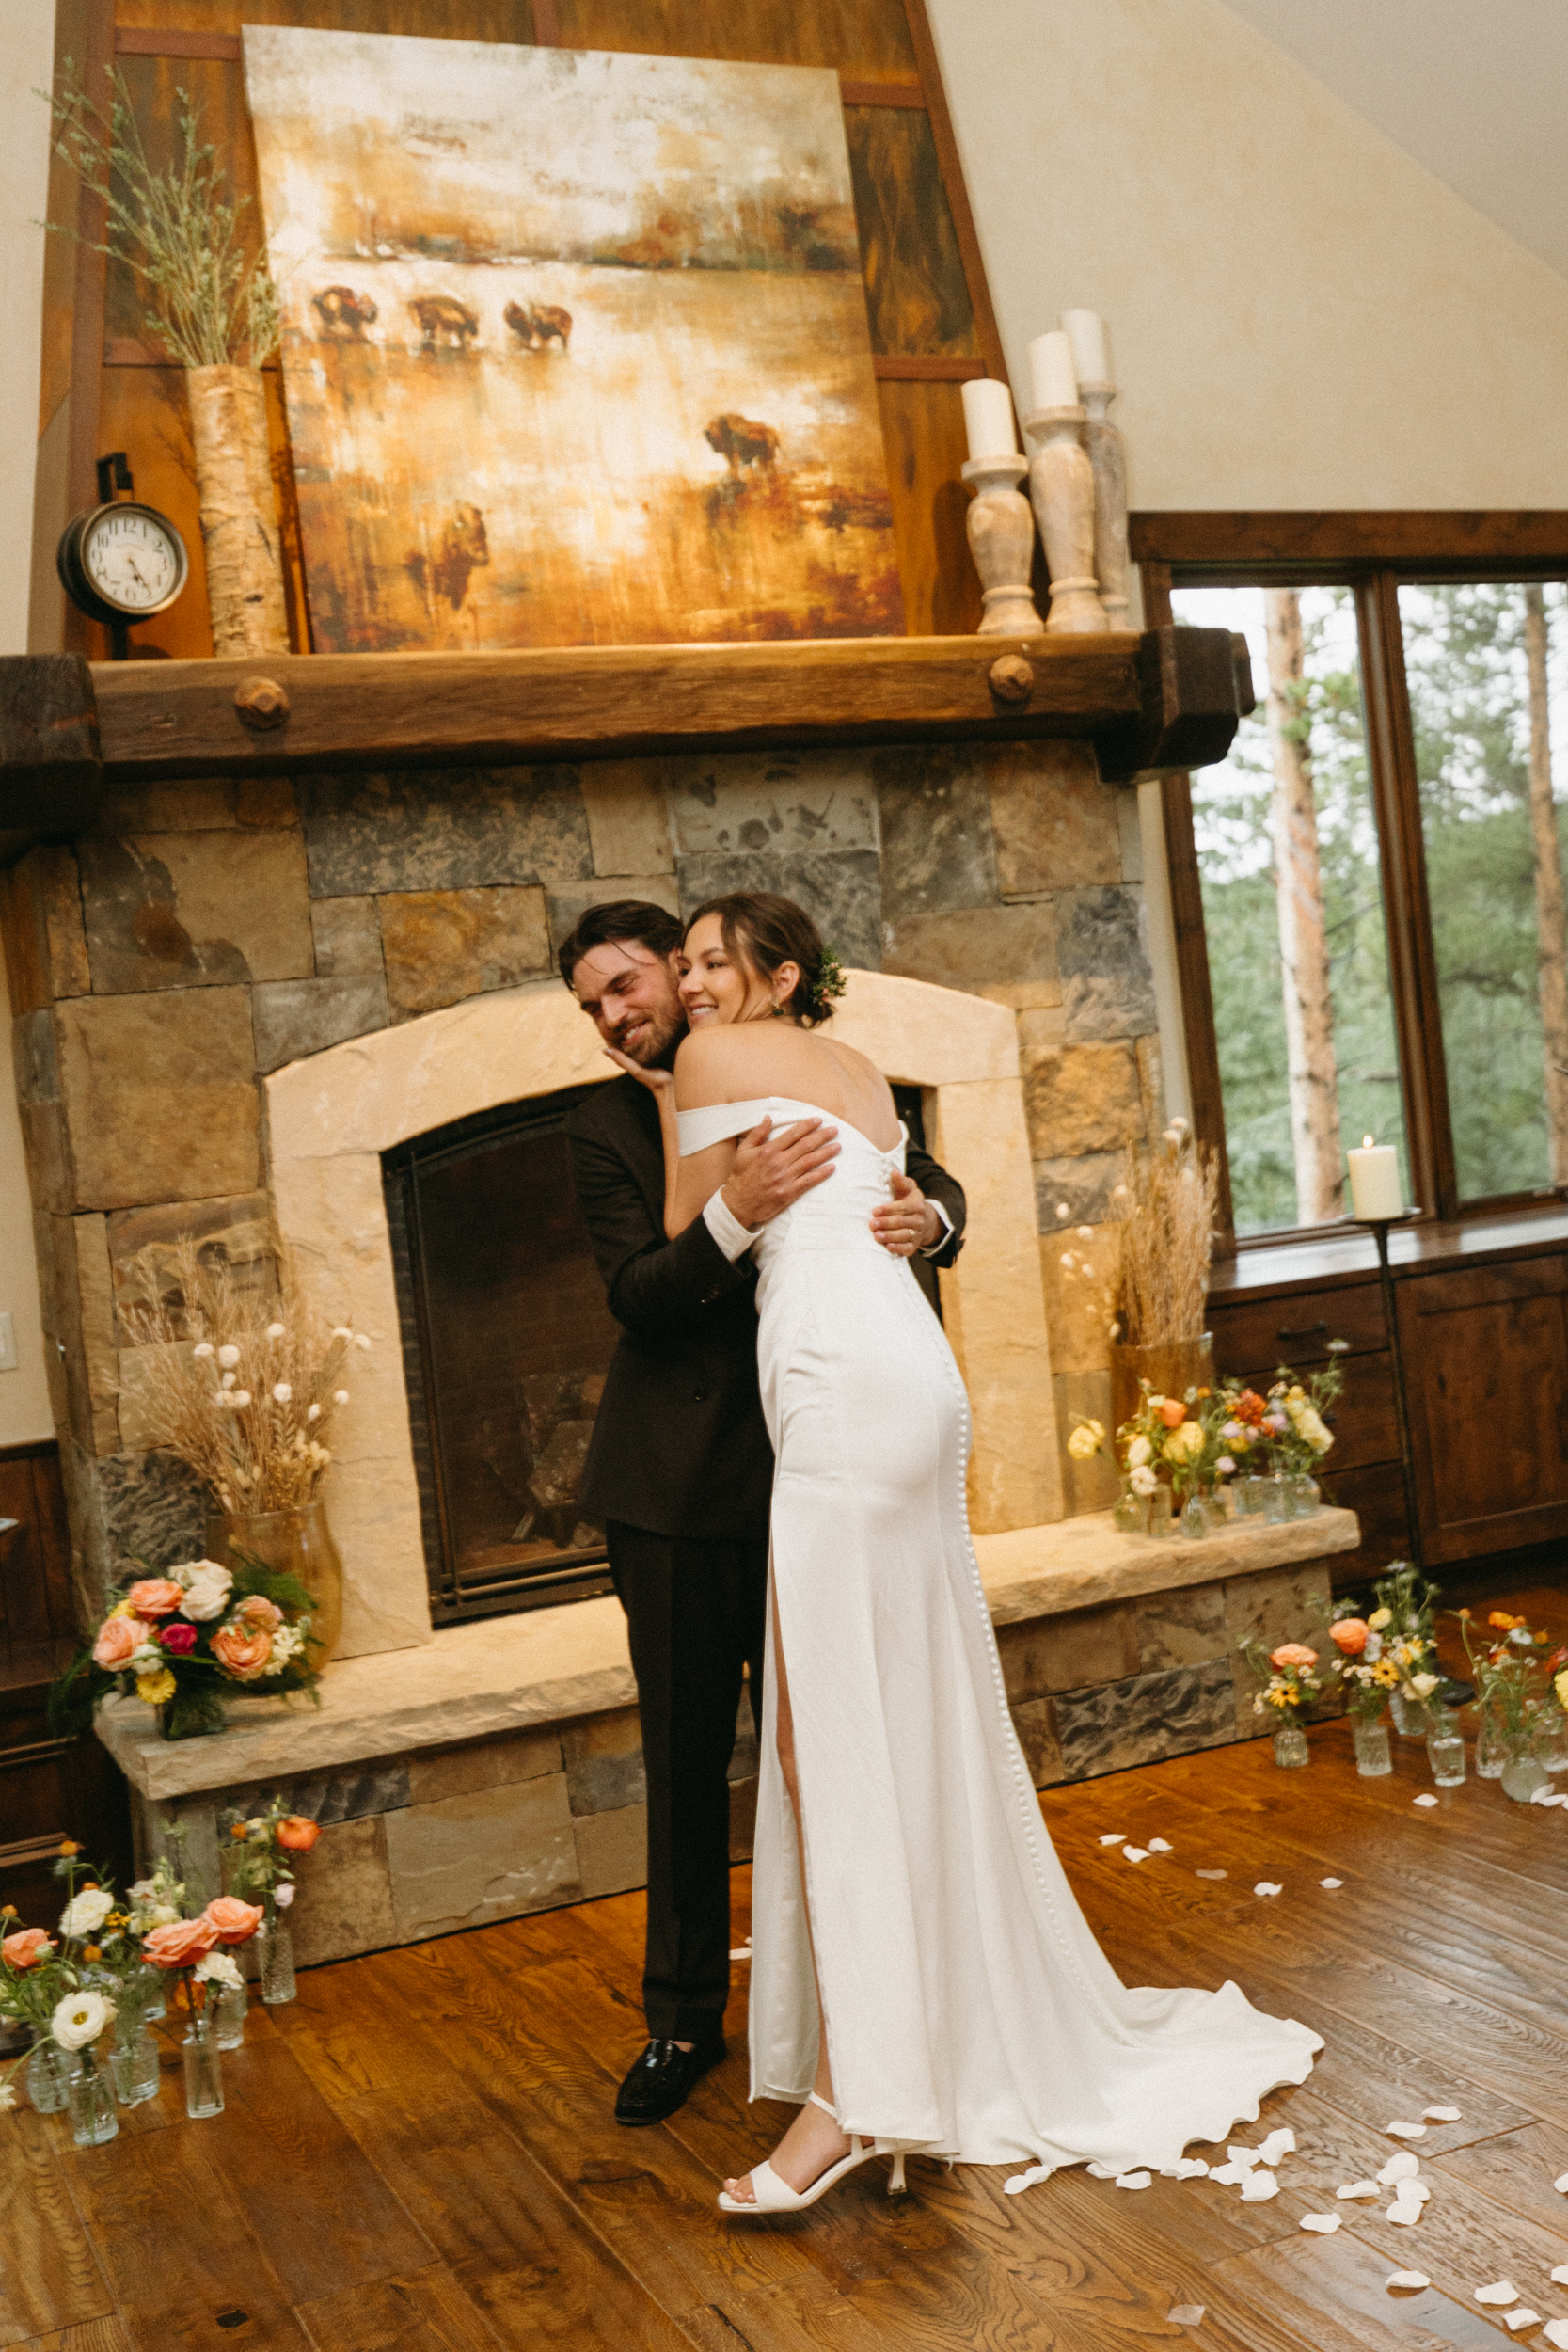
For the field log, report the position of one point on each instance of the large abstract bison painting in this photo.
(574, 345)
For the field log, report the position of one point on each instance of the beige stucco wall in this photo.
(1302, 316)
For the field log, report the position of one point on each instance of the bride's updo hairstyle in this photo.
(762, 932)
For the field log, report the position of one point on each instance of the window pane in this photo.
(1489, 706)
(1292, 909)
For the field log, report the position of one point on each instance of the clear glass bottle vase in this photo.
(1524, 1771)
(133, 2064)
(50, 2073)
(1446, 1753)
(1491, 1750)
(1409, 1716)
(93, 2114)
(1289, 1746)
(277, 1964)
(230, 2010)
(203, 2068)
(1373, 1756)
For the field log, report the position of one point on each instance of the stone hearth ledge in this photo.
(551, 1665)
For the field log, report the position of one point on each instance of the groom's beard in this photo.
(650, 1038)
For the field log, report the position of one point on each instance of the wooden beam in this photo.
(987, 330)
(1450, 538)
(51, 776)
(157, 40)
(908, 367)
(1145, 702)
(904, 91)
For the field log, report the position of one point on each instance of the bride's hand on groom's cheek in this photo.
(654, 1080)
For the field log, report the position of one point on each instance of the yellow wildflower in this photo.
(1560, 1686)
(156, 1690)
(1379, 1618)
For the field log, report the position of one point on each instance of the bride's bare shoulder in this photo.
(718, 1064)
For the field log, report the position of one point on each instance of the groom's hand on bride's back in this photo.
(771, 1170)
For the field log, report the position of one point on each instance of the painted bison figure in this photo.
(465, 549)
(741, 443)
(538, 323)
(341, 312)
(444, 320)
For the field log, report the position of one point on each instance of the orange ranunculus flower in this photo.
(236, 1922)
(25, 1949)
(1172, 1411)
(297, 1834)
(155, 1597)
(1292, 1654)
(1249, 1408)
(242, 1651)
(118, 1637)
(1504, 1623)
(70, 1846)
(179, 1945)
(1349, 1635)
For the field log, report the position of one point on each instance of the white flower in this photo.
(146, 1658)
(142, 1890)
(1225, 1465)
(274, 1330)
(79, 2019)
(360, 1340)
(202, 1350)
(229, 1355)
(219, 1968)
(1144, 1480)
(1138, 1452)
(207, 1594)
(1423, 1685)
(162, 1914)
(281, 1392)
(283, 1895)
(340, 1396)
(312, 1412)
(86, 1911)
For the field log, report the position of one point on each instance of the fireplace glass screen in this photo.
(506, 1341)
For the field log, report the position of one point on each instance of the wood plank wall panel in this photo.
(930, 310)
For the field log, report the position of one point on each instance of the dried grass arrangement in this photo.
(1168, 1241)
(245, 1391)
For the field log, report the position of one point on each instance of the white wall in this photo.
(26, 64)
(1302, 315)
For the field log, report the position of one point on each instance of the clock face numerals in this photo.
(132, 561)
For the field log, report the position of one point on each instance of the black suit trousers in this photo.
(696, 1615)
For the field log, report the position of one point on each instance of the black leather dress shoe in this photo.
(662, 2078)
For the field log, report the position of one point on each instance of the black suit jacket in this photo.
(679, 1445)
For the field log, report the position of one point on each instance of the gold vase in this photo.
(295, 1543)
(1171, 1367)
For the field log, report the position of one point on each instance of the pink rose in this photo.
(25, 1949)
(1292, 1654)
(241, 1652)
(116, 1638)
(257, 1611)
(154, 1597)
(179, 1640)
(234, 1922)
(1349, 1635)
(179, 1945)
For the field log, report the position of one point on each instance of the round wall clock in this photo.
(121, 563)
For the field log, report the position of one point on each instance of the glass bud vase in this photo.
(1306, 1495)
(156, 2003)
(1289, 1746)
(1491, 1747)
(1409, 1717)
(1373, 1756)
(93, 2116)
(1194, 1521)
(50, 2073)
(1446, 1755)
(232, 2008)
(1524, 1771)
(277, 1964)
(203, 2068)
(1552, 1742)
(1130, 1514)
(134, 2066)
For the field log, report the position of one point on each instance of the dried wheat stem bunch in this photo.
(1168, 1241)
(245, 1393)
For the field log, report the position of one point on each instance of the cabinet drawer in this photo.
(1258, 1334)
(1377, 1494)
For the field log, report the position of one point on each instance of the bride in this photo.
(922, 1977)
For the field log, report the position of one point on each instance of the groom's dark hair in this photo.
(622, 918)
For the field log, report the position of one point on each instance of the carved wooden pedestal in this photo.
(1061, 485)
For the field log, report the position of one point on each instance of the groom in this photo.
(680, 1468)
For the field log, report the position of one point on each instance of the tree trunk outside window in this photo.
(1549, 922)
(1303, 945)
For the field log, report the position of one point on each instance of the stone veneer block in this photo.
(161, 1097)
(35, 1063)
(973, 947)
(441, 945)
(840, 889)
(46, 949)
(926, 1036)
(354, 1795)
(142, 1246)
(346, 1903)
(1146, 1718)
(1080, 1272)
(604, 1762)
(127, 1508)
(348, 939)
(198, 806)
(1055, 823)
(1184, 1629)
(612, 1851)
(1085, 1188)
(295, 1019)
(1068, 1652)
(1107, 986)
(266, 800)
(628, 819)
(772, 803)
(567, 908)
(179, 910)
(462, 1862)
(1082, 1098)
(938, 854)
(1040, 1571)
(1035, 1722)
(77, 1293)
(485, 1764)
(459, 828)
(1289, 1604)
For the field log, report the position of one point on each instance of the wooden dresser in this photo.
(1483, 1325)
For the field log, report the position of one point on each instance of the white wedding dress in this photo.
(970, 2011)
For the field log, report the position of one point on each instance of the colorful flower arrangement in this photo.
(1406, 1621)
(69, 1987)
(259, 1860)
(1285, 1433)
(1367, 1677)
(1519, 1677)
(174, 1639)
(1288, 1675)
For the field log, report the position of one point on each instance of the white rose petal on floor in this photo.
(1021, 2180)
(1423, 1801)
(1523, 2318)
(1559, 2276)
(1114, 1837)
(1557, 2334)
(1267, 1886)
(1405, 2131)
(1331, 1881)
(1404, 2166)
(1135, 2180)
(1134, 1853)
(1161, 1845)
(1358, 2188)
(1501, 2291)
(1229, 2174)
(1322, 2224)
(1407, 2282)
(1560, 2184)
(1281, 2141)
(1442, 2115)
(1246, 2157)
(1259, 2187)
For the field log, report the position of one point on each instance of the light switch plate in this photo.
(7, 1344)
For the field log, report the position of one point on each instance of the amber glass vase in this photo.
(1171, 1368)
(295, 1543)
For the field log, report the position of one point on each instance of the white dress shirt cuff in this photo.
(732, 1236)
(943, 1239)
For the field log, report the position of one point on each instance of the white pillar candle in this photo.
(1051, 372)
(988, 419)
(1091, 357)
(1374, 1181)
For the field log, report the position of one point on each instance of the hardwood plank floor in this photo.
(418, 2155)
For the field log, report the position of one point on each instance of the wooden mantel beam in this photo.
(1165, 699)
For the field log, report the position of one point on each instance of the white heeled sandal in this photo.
(772, 2195)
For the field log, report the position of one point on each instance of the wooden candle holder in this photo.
(1001, 541)
(1061, 487)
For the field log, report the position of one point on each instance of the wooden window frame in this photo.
(1374, 554)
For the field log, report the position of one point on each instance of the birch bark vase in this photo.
(1001, 541)
(1108, 462)
(1061, 487)
(239, 517)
